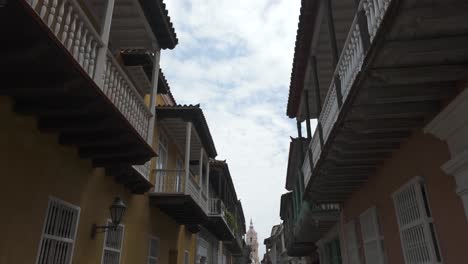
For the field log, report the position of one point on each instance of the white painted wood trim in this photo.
(153, 96)
(187, 154)
(104, 248)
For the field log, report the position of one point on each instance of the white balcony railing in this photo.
(375, 12)
(73, 28)
(348, 66)
(123, 94)
(173, 181)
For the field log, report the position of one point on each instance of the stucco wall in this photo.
(421, 155)
(34, 167)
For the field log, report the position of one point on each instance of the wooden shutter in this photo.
(59, 232)
(153, 255)
(352, 244)
(113, 245)
(417, 232)
(372, 239)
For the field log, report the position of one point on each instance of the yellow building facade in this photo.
(36, 168)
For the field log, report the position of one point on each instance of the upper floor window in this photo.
(59, 232)
(417, 231)
(371, 237)
(153, 254)
(113, 245)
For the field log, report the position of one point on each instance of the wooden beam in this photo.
(417, 75)
(395, 110)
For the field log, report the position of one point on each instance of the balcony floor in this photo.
(46, 82)
(181, 207)
(218, 226)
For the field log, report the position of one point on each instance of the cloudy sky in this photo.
(234, 58)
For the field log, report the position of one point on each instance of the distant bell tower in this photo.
(251, 238)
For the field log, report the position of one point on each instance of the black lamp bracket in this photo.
(101, 229)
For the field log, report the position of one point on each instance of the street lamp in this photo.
(117, 211)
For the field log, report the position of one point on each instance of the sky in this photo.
(234, 58)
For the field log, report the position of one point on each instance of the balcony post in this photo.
(299, 128)
(102, 52)
(318, 99)
(334, 48)
(208, 178)
(309, 129)
(153, 95)
(200, 171)
(188, 135)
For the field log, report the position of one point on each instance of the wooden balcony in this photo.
(400, 62)
(183, 193)
(180, 199)
(217, 223)
(58, 66)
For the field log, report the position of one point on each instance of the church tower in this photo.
(251, 238)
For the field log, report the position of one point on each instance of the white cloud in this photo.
(235, 57)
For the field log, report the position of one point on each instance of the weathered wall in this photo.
(421, 155)
(34, 167)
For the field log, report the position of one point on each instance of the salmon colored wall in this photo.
(34, 167)
(421, 155)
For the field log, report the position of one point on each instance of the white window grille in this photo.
(417, 232)
(371, 236)
(153, 255)
(113, 244)
(186, 257)
(59, 232)
(352, 243)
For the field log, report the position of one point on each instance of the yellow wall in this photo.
(34, 167)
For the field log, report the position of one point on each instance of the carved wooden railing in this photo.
(73, 28)
(348, 66)
(169, 181)
(375, 12)
(121, 91)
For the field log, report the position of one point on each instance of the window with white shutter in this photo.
(113, 244)
(59, 232)
(186, 257)
(371, 237)
(352, 243)
(153, 255)
(417, 232)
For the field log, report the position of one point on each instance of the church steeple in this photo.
(251, 238)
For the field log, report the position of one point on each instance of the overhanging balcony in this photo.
(401, 60)
(58, 66)
(182, 192)
(217, 223)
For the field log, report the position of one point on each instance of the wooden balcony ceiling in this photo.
(188, 113)
(144, 59)
(46, 82)
(160, 22)
(311, 20)
(218, 226)
(411, 71)
(297, 150)
(181, 207)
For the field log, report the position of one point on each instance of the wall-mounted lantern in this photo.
(117, 211)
